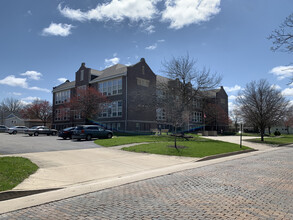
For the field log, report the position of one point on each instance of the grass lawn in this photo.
(121, 140)
(191, 148)
(13, 170)
(195, 147)
(283, 139)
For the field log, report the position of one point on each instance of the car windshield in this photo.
(79, 128)
(68, 129)
(35, 127)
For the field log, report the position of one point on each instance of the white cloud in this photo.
(61, 80)
(233, 97)
(32, 75)
(60, 29)
(233, 89)
(161, 41)
(14, 81)
(152, 47)
(28, 100)
(150, 29)
(288, 92)
(282, 72)
(185, 12)
(276, 87)
(39, 89)
(116, 10)
(16, 93)
(112, 61)
(20, 82)
(231, 106)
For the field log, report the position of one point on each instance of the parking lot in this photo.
(23, 143)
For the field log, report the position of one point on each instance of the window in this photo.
(161, 114)
(196, 117)
(111, 87)
(113, 109)
(81, 75)
(196, 103)
(62, 97)
(62, 114)
(137, 126)
(142, 82)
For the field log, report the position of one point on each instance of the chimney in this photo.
(142, 60)
(82, 64)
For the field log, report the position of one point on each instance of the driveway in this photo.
(20, 143)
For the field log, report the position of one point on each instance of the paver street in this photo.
(254, 187)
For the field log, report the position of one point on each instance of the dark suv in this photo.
(90, 131)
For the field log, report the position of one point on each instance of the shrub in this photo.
(277, 133)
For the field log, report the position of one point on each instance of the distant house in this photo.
(15, 119)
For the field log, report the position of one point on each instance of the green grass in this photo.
(192, 148)
(195, 147)
(121, 140)
(283, 139)
(13, 170)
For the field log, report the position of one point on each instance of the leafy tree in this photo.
(89, 102)
(9, 105)
(39, 109)
(262, 105)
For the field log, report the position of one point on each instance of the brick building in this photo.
(131, 92)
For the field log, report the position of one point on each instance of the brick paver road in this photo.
(255, 187)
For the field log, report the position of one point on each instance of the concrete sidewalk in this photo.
(83, 171)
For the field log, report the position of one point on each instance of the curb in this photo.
(225, 155)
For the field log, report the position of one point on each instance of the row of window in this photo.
(113, 109)
(62, 97)
(64, 114)
(195, 116)
(111, 87)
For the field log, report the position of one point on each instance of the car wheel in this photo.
(64, 138)
(48, 134)
(109, 135)
(14, 132)
(53, 133)
(30, 135)
(36, 134)
(88, 137)
(70, 137)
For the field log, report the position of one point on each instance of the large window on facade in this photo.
(62, 97)
(196, 117)
(196, 103)
(62, 114)
(161, 114)
(111, 110)
(81, 75)
(111, 87)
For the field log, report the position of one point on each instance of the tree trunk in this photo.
(262, 132)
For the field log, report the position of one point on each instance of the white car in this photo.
(17, 129)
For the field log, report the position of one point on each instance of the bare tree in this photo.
(11, 105)
(39, 109)
(283, 36)
(185, 83)
(262, 105)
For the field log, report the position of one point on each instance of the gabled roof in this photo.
(64, 86)
(110, 72)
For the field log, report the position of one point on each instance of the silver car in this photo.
(3, 128)
(17, 129)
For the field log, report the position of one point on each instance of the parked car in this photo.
(36, 130)
(90, 131)
(17, 129)
(3, 128)
(66, 133)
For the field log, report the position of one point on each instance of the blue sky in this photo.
(45, 42)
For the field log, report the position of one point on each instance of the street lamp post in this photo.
(241, 130)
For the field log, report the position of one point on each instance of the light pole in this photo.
(241, 131)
